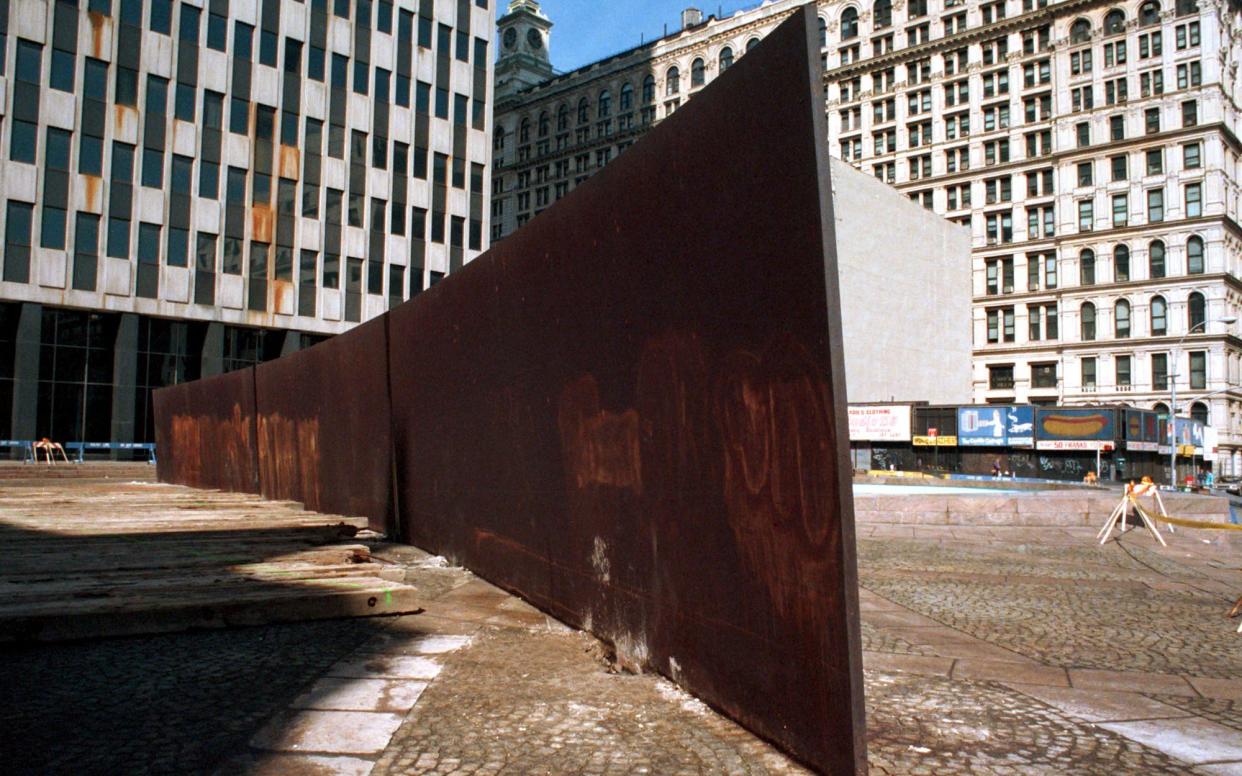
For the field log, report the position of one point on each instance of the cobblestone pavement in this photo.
(160, 704)
(983, 655)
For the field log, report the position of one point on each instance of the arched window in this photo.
(1086, 267)
(627, 97)
(1159, 316)
(1086, 315)
(697, 73)
(1155, 258)
(849, 24)
(726, 58)
(1121, 263)
(882, 12)
(584, 110)
(1196, 312)
(823, 32)
(1121, 319)
(1186, 7)
(672, 81)
(562, 118)
(1114, 22)
(1161, 409)
(750, 44)
(1194, 255)
(1149, 13)
(498, 142)
(1080, 31)
(524, 131)
(605, 104)
(1199, 412)
(545, 124)
(649, 89)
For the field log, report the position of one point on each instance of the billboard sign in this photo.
(981, 426)
(996, 426)
(887, 423)
(1062, 424)
(1141, 430)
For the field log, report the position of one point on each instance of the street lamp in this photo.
(1228, 320)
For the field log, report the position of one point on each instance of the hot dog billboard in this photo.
(1063, 428)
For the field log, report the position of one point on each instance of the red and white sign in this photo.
(933, 432)
(1073, 444)
(889, 423)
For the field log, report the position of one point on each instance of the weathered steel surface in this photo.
(324, 427)
(208, 429)
(631, 411)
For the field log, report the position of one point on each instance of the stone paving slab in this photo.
(339, 732)
(1100, 705)
(336, 694)
(371, 666)
(1188, 739)
(1226, 689)
(1131, 681)
(1016, 673)
(1220, 769)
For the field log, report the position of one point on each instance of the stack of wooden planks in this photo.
(103, 550)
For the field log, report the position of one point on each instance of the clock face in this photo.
(534, 39)
(510, 37)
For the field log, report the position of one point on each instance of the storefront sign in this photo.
(935, 441)
(1074, 444)
(890, 423)
(1149, 447)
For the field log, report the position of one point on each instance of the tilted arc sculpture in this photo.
(631, 412)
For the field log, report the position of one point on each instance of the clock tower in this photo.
(523, 61)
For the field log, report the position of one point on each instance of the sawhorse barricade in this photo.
(1129, 499)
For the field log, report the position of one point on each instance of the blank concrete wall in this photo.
(905, 294)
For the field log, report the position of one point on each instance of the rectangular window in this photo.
(1190, 113)
(17, 235)
(1044, 375)
(1120, 168)
(1155, 205)
(1198, 370)
(1086, 215)
(1122, 364)
(1160, 371)
(1000, 378)
(1087, 364)
(1121, 210)
(1194, 200)
(1191, 159)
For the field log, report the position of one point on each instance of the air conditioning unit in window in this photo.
(991, 241)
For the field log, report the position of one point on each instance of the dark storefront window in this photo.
(75, 376)
(169, 352)
(10, 313)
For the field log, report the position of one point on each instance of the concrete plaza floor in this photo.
(987, 650)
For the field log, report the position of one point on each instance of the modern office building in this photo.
(1091, 147)
(192, 187)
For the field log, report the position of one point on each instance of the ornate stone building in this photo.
(1090, 146)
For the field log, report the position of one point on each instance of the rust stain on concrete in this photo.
(262, 220)
(289, 163)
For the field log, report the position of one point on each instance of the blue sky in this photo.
(588, 30)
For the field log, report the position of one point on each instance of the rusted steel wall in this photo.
(324, 427)
(630, 411)
(205, 433)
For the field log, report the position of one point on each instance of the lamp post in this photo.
(1228, 320)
